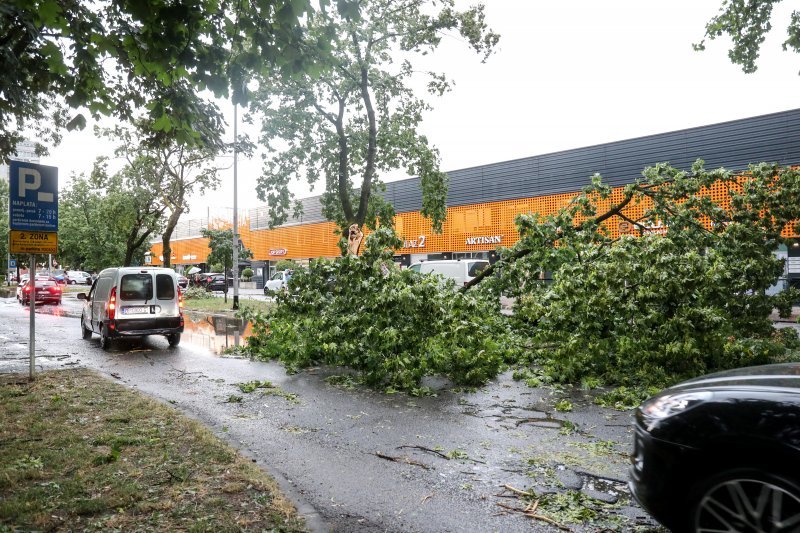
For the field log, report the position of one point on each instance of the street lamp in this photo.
(235, 215)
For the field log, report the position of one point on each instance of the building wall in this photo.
(484, 201)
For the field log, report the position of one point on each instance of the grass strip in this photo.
(215, 304)
(80, 452)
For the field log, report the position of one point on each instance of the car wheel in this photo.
(747, 500)
(105, 340)
(174, 339)
(85, 333)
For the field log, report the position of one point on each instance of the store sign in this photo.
(278, 251)
(189, 257)
(419, 242)
(492, 239)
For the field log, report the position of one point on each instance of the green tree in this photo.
(686, 293)
(747, 23)
(62, 58)
(169, 171)
(88, 236)
(220, 241)
(107, 220)
(356, 114)
(285, 264)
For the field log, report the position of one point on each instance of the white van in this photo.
(133, 302)
(462, 271)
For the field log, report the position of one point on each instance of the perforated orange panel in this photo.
(474, 227)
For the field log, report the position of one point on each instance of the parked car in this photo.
(78, 277)
(216, 282)
(183, 281)
(47, 291)
(204, 278)
(133, 302)
(722, 452)
(278, 282)
(462, 271)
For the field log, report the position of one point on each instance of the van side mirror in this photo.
(81, 296)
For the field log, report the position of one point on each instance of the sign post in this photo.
(33, 224)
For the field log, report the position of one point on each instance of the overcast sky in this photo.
(565, 74)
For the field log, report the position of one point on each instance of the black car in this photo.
(722, 452)
(216, 282)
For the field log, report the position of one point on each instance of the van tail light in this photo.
(112, 304)
(180, 300)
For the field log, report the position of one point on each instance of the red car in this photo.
(47, 291)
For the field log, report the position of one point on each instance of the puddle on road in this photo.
(214, 333)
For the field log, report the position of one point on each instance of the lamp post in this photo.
(235, 218)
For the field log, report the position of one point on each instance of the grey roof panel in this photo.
(733, 144)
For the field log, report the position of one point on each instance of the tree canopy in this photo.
(355, 115)
(62, 59)
(170, 171)
(747, 23)
(683, 291)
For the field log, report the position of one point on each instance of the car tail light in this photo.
(27, 288)
(180, 299)
(208, 280)
(112, 304)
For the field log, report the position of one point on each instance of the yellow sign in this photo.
(33, 242)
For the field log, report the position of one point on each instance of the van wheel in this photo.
(105, 340)
(174, 339)
(86, 333)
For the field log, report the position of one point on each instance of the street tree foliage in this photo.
(105, 220)
(354, 115)
(171, 171)
(285, 264)
(64, 59)
(393, 326)
(220, 242)
(747, 24)
(686, 292)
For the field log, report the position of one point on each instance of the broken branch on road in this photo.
(403, 459)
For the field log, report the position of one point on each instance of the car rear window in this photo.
(136, 287)
(165, 287)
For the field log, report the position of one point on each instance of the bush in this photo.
(285, 264)
(247, 274)
(196, 293)
(393, 326)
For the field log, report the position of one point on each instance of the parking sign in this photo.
(33, 208)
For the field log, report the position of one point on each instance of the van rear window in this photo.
(165, 287)
(136, 287)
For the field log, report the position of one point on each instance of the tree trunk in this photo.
(167, 236)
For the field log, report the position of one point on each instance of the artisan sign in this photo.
(492, 239)
(278, 251)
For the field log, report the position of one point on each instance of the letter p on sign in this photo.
(32, 184)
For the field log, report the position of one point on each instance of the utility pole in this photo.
(235, 217)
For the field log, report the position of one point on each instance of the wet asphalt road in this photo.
(325, 447)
